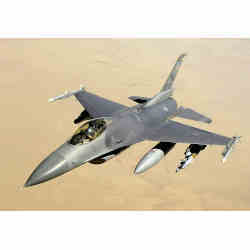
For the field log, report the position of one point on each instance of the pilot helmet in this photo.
(91, 132)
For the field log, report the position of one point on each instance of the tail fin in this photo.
(170, 80)
(167, 89)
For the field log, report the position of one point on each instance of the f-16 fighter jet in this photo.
(108, 128)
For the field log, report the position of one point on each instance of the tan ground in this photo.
(214, 79)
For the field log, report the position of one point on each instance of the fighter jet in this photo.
(107, 128)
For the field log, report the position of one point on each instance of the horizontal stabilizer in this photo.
(190, 114)
(139, 99)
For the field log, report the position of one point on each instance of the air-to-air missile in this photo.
(153, 156)
(229, 147)
(191, 152)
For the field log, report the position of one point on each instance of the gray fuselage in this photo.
(128, 126)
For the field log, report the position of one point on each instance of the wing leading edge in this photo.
(97, 106)
(179, 133)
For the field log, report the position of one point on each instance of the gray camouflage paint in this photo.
(149, 120)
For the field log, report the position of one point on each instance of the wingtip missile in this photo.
(229, 147)
(66, 94)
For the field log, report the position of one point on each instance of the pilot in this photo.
(91, 133)
(78, 138)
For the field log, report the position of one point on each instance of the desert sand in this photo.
(214, 80)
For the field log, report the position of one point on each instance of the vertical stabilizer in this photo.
(167, 90)
(170, 80)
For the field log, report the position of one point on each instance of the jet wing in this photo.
(97, 106)
(179, 133)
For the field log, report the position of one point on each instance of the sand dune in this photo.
(214, 80)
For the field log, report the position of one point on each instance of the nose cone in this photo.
(53, 166)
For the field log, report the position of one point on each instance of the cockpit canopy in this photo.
(89, 131)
